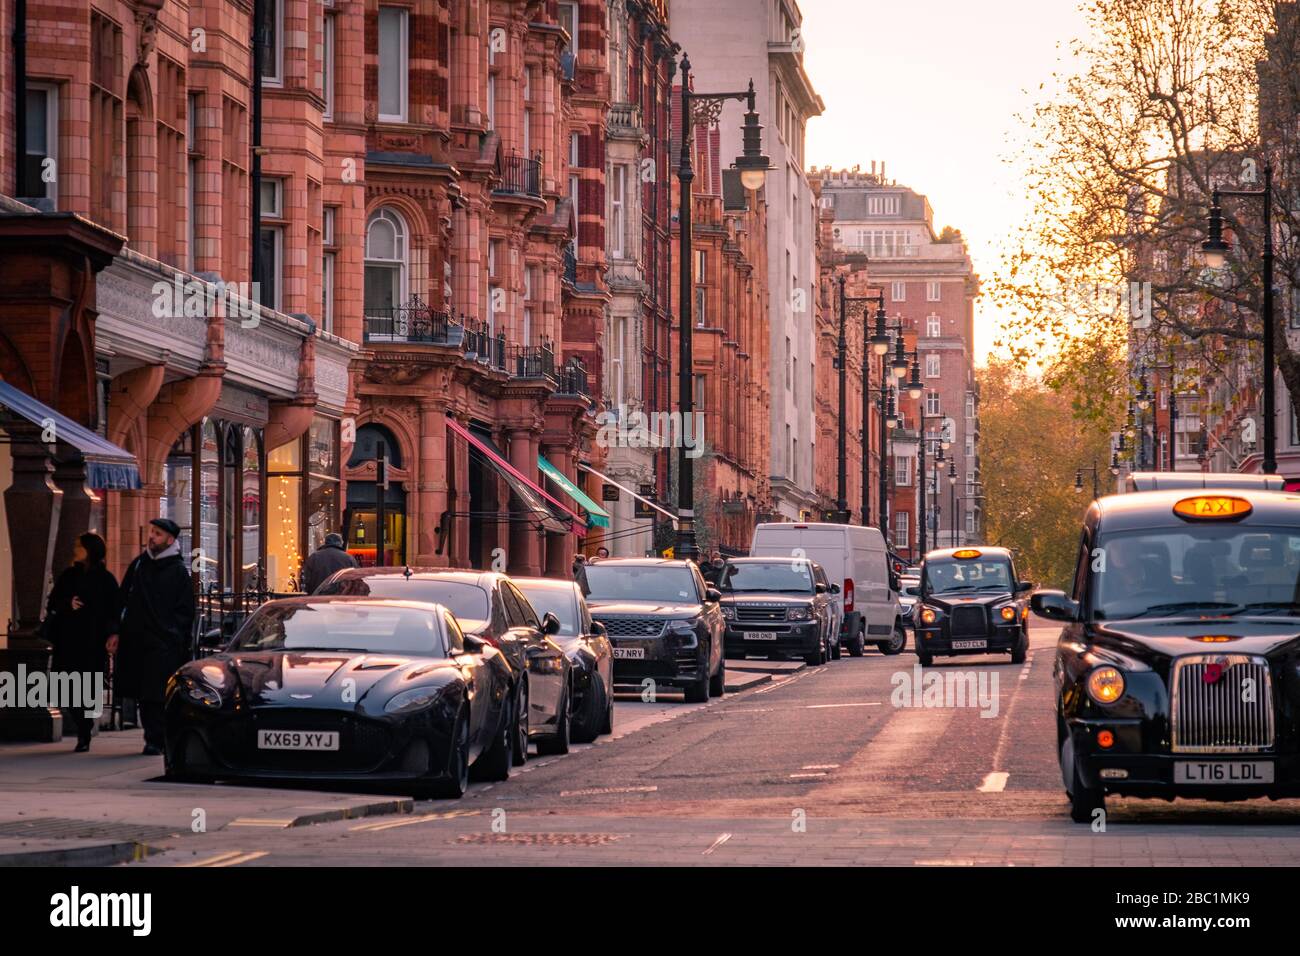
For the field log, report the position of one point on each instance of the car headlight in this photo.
(417, 698)
(728, 612)
(798, 614)
(929, 615)
(1106, 685)
(200, 693)
(685, 632)
(1008, 613)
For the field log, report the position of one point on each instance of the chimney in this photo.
(873, 167)
(882, 169)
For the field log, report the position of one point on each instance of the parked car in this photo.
(856, 558)
(775, 606)
(971, 602)
(365, 691)
(489, 605)
(909, 590)
(664, 622)
(587, 646)
(1176, 666)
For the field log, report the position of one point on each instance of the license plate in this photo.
(969, 645)
(758, 636)
(1223, 771)
(629, 653)
(297, 740)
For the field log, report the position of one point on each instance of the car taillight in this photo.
(848, 594)
(491, 639)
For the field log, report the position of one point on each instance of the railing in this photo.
(533, 361)
(572, 379)
(570, 265)
(220, 613)
(413, 322)
(481, 346)
(521, 176)
(624, 116)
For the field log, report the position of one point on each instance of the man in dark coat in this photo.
(156, 627)
(324, 561)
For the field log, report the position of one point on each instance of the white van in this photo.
(854, 558)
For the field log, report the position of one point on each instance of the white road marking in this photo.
(376, 825)
(262, 822)
(723, 838)
(800, 776)
(994, 782)
(1007, 722)
(819, 766)
(866, 703)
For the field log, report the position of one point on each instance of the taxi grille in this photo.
(1221, 704)
(759, 615)
(969, 622)
(632, 626)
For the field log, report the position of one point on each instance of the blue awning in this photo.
(108, 467)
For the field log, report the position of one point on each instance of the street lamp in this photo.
(847, 302)
(753, 166)
(914, 387)
(1215, 250)
(952, 498)
(1078, 476)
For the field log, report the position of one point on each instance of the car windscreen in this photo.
(342, 626)
(665, 584)
(1222, 568)
(559, 601)
(971, 574)
(468, 602)
(768, 576)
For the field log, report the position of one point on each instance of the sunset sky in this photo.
(932, 88)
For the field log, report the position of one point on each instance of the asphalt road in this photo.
(833, 764)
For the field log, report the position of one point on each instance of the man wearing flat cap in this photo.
(154, 638)
(324, 561)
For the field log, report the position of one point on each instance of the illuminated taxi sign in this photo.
(1216, 638)
(966, 553)
(1212, 507)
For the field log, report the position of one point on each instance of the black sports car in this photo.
(488, 605)
(588, 650)
(664, 623)
(364, 691)
(1178, 669)
(970, 602)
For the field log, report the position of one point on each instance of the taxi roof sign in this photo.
(966, 553)
(1212, 507)
(1177, 480)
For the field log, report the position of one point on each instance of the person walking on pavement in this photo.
(324, 561)
(81, 619)
(157, 620)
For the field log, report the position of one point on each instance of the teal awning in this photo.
(597, 517)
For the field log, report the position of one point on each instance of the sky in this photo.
(933, 88)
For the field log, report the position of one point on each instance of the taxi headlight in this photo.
(929, 615)
(1008, 613)
(1106, 685)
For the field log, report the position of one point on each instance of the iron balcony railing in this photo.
(533, 361)
(413, 322)
(570, 265)
(572, 379)
(521, 176)
(481, 346)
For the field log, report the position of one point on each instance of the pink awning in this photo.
(516, 478)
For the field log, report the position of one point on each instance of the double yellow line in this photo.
(229, 858)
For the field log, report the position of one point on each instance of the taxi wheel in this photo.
(1084, 801)
(1018, 653)
(925, 659)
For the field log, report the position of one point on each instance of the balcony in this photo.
(481, 346)
(413, 322)
(625, 121)
(532, 361)
(572, 380)
(520, 176)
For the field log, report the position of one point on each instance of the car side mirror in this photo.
(713, 595)
(820, 588)
(835, 589)
(474, 645)
(894, 582)
(1023, 586)
(1054, 605)
(599, 629)
(550, 623)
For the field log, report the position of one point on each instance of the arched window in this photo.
(386, 258)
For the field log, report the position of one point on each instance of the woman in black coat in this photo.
(81, 615)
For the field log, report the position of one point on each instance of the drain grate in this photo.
(63, 828)
(543, 839)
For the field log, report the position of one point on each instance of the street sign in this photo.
(609, 492)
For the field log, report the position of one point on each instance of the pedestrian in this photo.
(712, 569)
(155, 633)
(580, 572)
(81, 619)
(602, 552)
(324, 561)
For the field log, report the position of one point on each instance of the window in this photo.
(970, 522)
(272, 198)
(620, 345)
(882, 206)
(898, 291)
(494, 256)
(193, 102)
(932, 365)
(789, 377)
(932, 291)
(933, 326)
(40, 169)
(385, 262)
(271, 32)
(970, 405)
(902, 538)
(701, 301)
(902, 471)
(1294, 322)
(271, 262)
(699, 395)
(327, 66)
(569, 20)
(970, 482)
(617, 189)
(970, 446)
(931, 403)
(529, 286)
(392, 64)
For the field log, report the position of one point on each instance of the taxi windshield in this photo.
(1196, 568)
(966, 575)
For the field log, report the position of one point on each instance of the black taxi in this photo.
(970, 602)
(1178, 670)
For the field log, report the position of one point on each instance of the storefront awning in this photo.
(597, 517)
(108, 467)
(641, 498)
(539, 506)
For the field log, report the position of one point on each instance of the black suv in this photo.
(970, 603)
(663, 621)
(777, 606)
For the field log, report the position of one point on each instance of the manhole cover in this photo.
(543, 839)
(62, 828)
